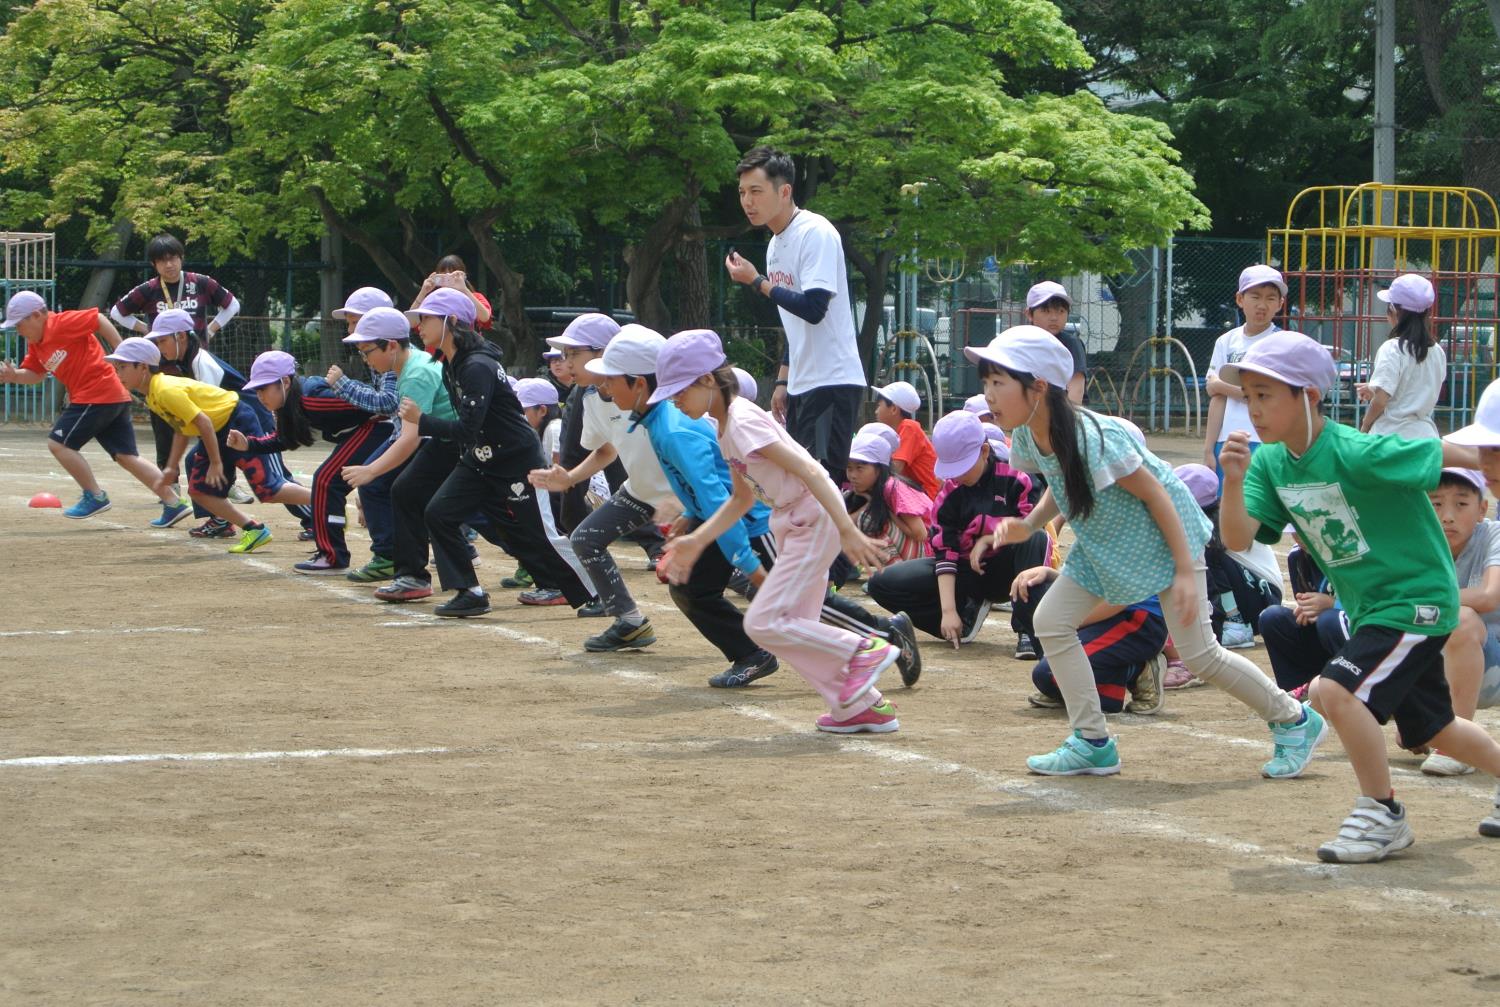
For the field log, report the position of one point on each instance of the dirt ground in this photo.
(328, 800)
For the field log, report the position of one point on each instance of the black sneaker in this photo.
(973, 616)
(593, 610)
(904, 635)
(739, 584)
(306, 535)
(621, 635)
(1025, 647)
(746, 670)
(463, 605)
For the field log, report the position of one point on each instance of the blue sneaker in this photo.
(88, 505)
(1295, 744)
(1076, 757)
(172, 513)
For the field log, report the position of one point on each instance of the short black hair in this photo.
(163, 246)
(1052, 302)
(777, 166)
(1459, 482)
(881, 398)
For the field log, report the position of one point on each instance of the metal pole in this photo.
(1384, 168)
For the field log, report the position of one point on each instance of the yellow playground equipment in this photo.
(1343, 243)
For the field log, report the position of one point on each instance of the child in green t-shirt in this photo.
(1359, 504)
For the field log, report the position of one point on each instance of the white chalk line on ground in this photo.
(305, 753)
(102, 632)
(1135, 821)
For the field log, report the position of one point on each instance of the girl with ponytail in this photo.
(1138, 532)
(1409, 368)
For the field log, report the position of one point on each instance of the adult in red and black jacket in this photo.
(497, 449)
(963, 512)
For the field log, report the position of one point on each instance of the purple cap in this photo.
(269, 368)
(172, 322)
(445, 302)
(999, 444)
(552, 355)
(1045, 291)
(1200, 481)
(1029, 350)
(380, 323)
(686, 358)
(136, 350)
(748, 388)
(1259, 275)
(1473, 477)
(976, 404)
(901, 394)
(957, 439)
(591, 331)
(536, 392)
(1409, 292)
(363, 301)
(870, 448)
(1484, 432)
(1289, 357)
(27, 302)
(881, 430)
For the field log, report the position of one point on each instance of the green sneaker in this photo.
(379, 568)
(252, 539)
(1076, 757)
(521, 579)
(1295, 744)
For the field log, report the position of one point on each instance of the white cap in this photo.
(380, 323)
(27, 302)
(633, 351)
(976, 404)
(999, 445)
(362, 301)
(536, 392)
(1045, 291)
(1409, 292)
(1259, 275)
(1028, 349)
(1484, 432)
(870, 448)
(882, 431)
(170, 323)
(748, 388)
(901, 394)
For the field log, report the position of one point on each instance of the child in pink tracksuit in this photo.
(809, 522)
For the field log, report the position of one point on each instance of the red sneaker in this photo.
(878, 719)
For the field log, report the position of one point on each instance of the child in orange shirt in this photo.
(895, 405)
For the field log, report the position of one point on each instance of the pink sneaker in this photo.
(873, 656)
(878, 719)
(1178, 677)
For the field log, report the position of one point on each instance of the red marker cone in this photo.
(45, 500)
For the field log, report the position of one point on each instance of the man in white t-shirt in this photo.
(1261, 293)
(821, 382)
(608, 434)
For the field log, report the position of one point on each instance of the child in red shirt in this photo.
(63, 344)
(895, 405)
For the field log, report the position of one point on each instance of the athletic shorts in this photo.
(1397, 676)
(108, 423)
(264, 472)
(1489, 688)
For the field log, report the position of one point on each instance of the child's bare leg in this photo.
(291, 493)
(148, 475)
(76, 466)
(1362, 738)
(1463, 662)
(221, 508)
(1466, 741)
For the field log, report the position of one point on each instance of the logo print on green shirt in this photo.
(1322, 512)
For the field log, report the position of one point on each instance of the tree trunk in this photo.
(643, 261)
(513, 332)
(388, 264)
(693, 311)
(102, 280)
(875, 270)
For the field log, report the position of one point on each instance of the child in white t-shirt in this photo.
(1261, 294)
(1410, 366)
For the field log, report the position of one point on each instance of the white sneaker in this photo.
(1438, 764)
(1370, 833)
(1490, 826)
(239, 495)
(1238, 636)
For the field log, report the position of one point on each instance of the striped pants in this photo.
(330, 492)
